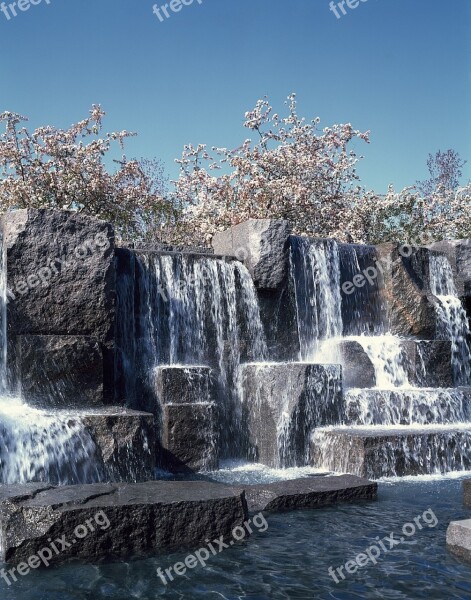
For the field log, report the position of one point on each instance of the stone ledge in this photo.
(309, 492)
(143, 518)
(458, 539)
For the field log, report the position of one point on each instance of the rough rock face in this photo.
(283, 402)
(358, 370)
(261, 244)
(186, 399)
(190, 437)
(103, 520)
(308, 492)
(184, 385)
(125, 441)
(60, 371)
(61, 278)
(458, 539)
(429, 363)
(411, 306)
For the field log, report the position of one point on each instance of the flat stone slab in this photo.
(308, 492)
(458, 539)
(420, 406)
(376, 452)
(112, 520)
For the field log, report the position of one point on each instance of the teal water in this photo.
(290, 560)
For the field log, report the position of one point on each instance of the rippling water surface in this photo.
(290, 560)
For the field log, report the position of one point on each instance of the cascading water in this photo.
(407, 407)
(325, 315)
(196, 310)
(453, 320)
(387, 356)
(315, 272)
(39, 446)
(404, 419)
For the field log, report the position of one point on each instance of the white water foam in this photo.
(41, 446)
(452, 316)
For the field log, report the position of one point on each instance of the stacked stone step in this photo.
(401, 275)
(61, 280)
(431, 428)
(186, 407)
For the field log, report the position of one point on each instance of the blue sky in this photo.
(401, 68)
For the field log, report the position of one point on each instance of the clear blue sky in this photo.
(401, 68)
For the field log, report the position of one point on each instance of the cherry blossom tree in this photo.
(291, 171)
(296, 172)
(65, 169)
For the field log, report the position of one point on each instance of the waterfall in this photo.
(453, 321)
(315, 272)
(389, 361)
(407, 407)
(49, 447)
(393, 427)
(324, 314)
(196, 310)
(363, 308)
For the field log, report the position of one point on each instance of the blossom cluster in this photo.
(65, 169)
(295, 171)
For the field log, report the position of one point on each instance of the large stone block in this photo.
(125, 442)
(61, 278)
(186, 404)
(60, 371)
(184, 385)
(190, 437)
(410, 305)
(262, 244)
(283, 402)
(428, 363)
(100, 521)
(458, 539)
